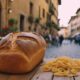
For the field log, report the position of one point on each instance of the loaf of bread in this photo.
(21, 52)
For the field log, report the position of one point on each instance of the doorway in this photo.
(21, 22)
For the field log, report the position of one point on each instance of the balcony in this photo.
(51, 8)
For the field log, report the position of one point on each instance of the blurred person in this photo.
(61, 38)
(57, 40)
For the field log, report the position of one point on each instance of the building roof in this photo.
(78, 10)
(72, 18)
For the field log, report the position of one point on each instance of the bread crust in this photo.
(21, 52)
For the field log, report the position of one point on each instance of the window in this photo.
(47, 1)
(43, 13)
(59, 2)
(31, 8)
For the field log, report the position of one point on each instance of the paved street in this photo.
(66, 49)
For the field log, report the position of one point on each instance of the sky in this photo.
(67, 9)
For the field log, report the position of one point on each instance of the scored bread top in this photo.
(28, 43)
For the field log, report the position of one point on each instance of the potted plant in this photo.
(4, 30)
(12, 22)
(37, 20)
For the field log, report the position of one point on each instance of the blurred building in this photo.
(27, 13)
(78, 12)
(55, 10)
(64, 31)
(74, 23)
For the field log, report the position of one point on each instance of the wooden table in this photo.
(36, 74)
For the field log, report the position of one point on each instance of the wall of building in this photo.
(22, 7)
(18, 10)
(75, 25)
(55, 16)
(65, 32)
(3, 12)
(43, 6)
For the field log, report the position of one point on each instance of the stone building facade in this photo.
(74, 24)
(26, 12)
(55, 15)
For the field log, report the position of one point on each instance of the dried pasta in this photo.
(63, 66)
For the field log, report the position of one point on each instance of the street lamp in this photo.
(10, 4)
(11, 0)
(10, 11)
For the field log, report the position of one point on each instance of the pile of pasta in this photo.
(63, 66)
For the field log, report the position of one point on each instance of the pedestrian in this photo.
(57, 40)
(61, 38)
(71, 39)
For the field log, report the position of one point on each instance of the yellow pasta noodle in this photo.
(63, 66)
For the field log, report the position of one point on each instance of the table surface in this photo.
(36, 74)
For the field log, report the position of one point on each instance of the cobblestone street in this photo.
(66, 49)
